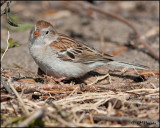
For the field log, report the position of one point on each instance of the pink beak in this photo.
(37, 33)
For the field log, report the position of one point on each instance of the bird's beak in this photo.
(37, 33)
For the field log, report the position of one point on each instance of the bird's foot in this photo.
(59, 80)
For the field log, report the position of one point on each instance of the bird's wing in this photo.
(70, 50)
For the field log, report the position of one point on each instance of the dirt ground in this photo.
(92, 28)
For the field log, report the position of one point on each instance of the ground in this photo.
(132, 94)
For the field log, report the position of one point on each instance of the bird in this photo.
(61, 56)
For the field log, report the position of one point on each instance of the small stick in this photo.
(6, 86)
(126, 119)
(75, 90)
(38, 114)
(101, 78)
(91, 119)
(6, 48)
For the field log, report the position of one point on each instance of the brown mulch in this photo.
(123, 102)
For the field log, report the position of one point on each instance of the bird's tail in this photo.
(128, 65)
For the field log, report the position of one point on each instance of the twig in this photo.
(59, 111)
(6, 48)
(16, 93)
(61, 120)
(74, 91)
(126, 119)
(68, 124)
(145, 90)
(140, 37)
(38, 114)
(7, 12)
(100, 78)
(6, 86)
(91, 119)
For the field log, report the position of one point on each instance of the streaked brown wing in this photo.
(71, 50)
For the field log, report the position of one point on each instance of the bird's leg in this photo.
(42, 73)
(59, 79)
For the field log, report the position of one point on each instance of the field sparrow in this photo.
(61, 56)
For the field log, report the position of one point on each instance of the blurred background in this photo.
(88, 26)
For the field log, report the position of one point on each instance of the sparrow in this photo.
(61, 56)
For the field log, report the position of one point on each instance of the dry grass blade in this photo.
(101, 78)
(36, 115)
(126, 119)
(6, 48)
(3, 80)
(16, 93)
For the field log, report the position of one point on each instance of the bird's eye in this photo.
(47, 32)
